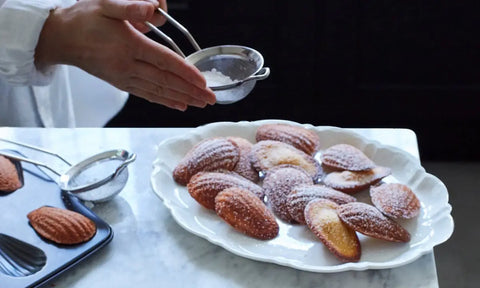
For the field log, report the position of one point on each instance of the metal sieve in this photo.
(241, 64)
(97, 179)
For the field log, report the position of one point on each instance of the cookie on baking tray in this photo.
(322, 219)
(62, 226)
(208, 155)
(297, 136)
(245, 212)
(9, 178)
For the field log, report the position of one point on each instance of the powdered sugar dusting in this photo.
(297, 136)
(244, 166)
(246, 213)
(205, 186)
(346, 157)
(355, 181)
(270, 153)
(395, 200)
(282, 155)
(323, 221)
(208, 155)
(301, 195)
(368, 220)
(278, 183)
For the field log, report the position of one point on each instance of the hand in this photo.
(157, 19)
(100, 37)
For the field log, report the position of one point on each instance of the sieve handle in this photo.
(181, 28)
(260, 75)
(166, 38)
(23, 159)
(122, 166)
(177, 25)
(36, 148)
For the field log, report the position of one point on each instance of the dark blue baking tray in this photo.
(40, 190)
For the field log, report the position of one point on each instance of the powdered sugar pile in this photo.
(216, 78)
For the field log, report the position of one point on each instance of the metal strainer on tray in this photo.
(97, 179)
(241, 66)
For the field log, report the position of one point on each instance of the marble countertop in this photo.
(150, 249)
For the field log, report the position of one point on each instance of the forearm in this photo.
(21, 23)
(50, 49)
(104, 38)
(71, 35)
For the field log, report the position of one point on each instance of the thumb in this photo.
(135, 11)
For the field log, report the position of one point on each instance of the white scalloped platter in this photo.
(296, 246)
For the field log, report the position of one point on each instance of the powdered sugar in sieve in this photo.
(216, 78)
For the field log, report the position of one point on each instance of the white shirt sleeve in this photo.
(21, 22)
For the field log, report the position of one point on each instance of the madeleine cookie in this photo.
(346, 157)
(322, 219)
(278, 183)
(62, 226)
(244, 166)
(353, 182)
(245, 212)
(204, 186)
(368, 220)
(395, 200)
(297, 136)
(267, 154)
(299, 197)
(9, 178)
(208, 155)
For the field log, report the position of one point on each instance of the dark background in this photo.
(397, 64)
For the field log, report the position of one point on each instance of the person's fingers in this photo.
(134, 11)
(163, 5)
(160, 94)
(173, 104)
(140, 26)
(165, 59)
(169, 80)
(156, 20)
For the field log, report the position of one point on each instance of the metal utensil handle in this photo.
(260, 75)
(36, 148)
(177, 25)
(181, 28)
(23, 159)
(129, 160)
(166, 38)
